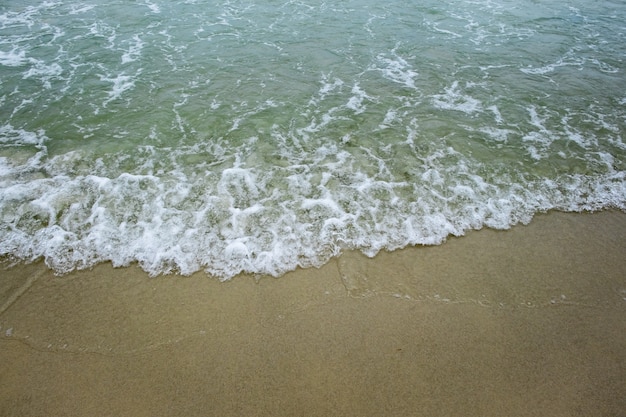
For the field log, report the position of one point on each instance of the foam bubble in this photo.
(499, 135)
(13, 58)
(154, 8)
(80, 8)
(121, 84)
(10, 135)
(44, 72)
(570, 59)
(390, 117)
(454, 99)
(134, 50)
(396, 69)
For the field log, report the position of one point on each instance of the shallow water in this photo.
(236, 137)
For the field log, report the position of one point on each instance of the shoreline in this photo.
(527, 321)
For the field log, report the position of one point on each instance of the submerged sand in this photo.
(525, 322)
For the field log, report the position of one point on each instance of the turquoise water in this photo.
(235, 136)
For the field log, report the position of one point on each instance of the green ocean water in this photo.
(257, 137)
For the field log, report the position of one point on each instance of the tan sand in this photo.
(526, 322)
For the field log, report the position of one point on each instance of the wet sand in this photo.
(525, 322)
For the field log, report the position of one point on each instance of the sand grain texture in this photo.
(525, 322)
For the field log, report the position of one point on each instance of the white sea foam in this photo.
(355, 102)
(80, 8)
(45, 73)
(436, 28)
(396, 69)
(570, 59)
(121, 84)
(154, 8)
(134, 50)
(327, 87)
(454, 99)
(499, 135)
(390, 117)
(242, 224)
(13, 58)
(496, 114)
(10, 135)
(352, 131)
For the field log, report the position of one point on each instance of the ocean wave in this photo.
(258, 138)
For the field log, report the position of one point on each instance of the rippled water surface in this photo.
(237, 136)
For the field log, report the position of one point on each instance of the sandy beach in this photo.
(525, 322)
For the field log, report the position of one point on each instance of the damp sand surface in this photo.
(525, 322)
